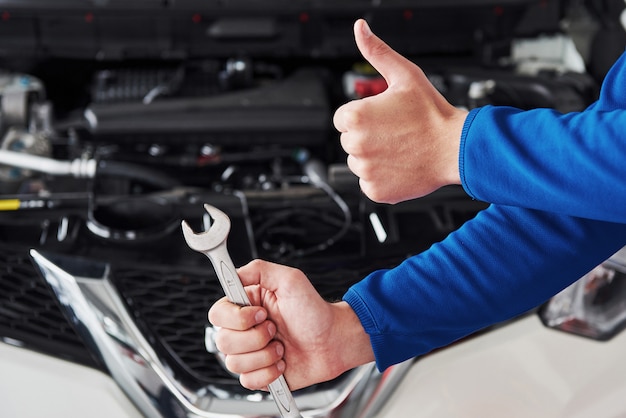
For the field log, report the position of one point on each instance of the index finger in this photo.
(339, 119)
(348, 116)
(262, 273)
(225, 314)
(272, 277)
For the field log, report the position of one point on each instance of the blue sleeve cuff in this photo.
(464, 140)
(368, 322)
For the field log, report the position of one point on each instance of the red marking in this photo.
(369, 87)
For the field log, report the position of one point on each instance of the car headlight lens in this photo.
(594, 306)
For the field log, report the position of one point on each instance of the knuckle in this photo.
(228, 315)
(353, 115)
(243, 318)
(379, 49)
(232, 364)
(215, 312)
(214, 315)
(243, 322)
(247, 382)
(366, 172)
(356, 147)
(258, 379)
(223, 343)
(256, 263)
(372, 192)
(261, 337)
(353, 165)
(260, 265)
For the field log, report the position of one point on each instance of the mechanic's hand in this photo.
(289, 329)
(404, 142)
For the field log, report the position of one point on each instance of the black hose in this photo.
(136, 172)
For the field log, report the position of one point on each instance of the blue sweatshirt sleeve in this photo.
(498, 265)
(573, 164)
(555, 182)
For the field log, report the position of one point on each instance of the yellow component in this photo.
(365, 68)
(9, 204)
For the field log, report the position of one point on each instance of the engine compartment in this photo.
(119, 119)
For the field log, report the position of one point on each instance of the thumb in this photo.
(381, 56)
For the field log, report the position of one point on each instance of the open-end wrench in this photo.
(212, 243)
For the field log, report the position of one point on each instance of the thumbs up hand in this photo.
(404, 142)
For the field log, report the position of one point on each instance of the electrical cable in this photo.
(314, 175)
(324, 186)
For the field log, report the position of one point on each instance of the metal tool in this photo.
(212, 243)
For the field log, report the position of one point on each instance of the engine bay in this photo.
(118, 119)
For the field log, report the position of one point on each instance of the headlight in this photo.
(594, 306)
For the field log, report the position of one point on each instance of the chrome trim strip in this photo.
(94, 306)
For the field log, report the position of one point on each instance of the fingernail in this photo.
(280, 366)
(271, 328)
(280, 350)
(260, 316)
(365, 29)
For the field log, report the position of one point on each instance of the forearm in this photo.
(498, 265)
(571, 164)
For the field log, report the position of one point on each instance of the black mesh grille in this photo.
(30, 314)
(170, 306)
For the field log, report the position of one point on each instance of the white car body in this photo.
(519, 370)
(38, 385)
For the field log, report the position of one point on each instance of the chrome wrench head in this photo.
(212, 243)
(211, 239)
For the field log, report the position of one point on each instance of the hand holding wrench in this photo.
(212, 243)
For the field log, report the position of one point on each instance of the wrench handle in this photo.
(235, 292)
(227, 275)
(283, 398)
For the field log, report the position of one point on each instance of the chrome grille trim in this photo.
(94, 306)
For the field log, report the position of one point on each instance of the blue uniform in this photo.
(557, 188)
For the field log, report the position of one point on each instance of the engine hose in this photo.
(82, 168)
(135, 172)
(76, 168)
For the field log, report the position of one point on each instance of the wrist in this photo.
(356, 348)
(456, 122)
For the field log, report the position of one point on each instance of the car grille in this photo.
(29, 314)
(168, 304)
(170, 307)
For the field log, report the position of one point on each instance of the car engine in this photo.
(119, 119)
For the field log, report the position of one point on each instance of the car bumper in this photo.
(522, 369)
(38, 385)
